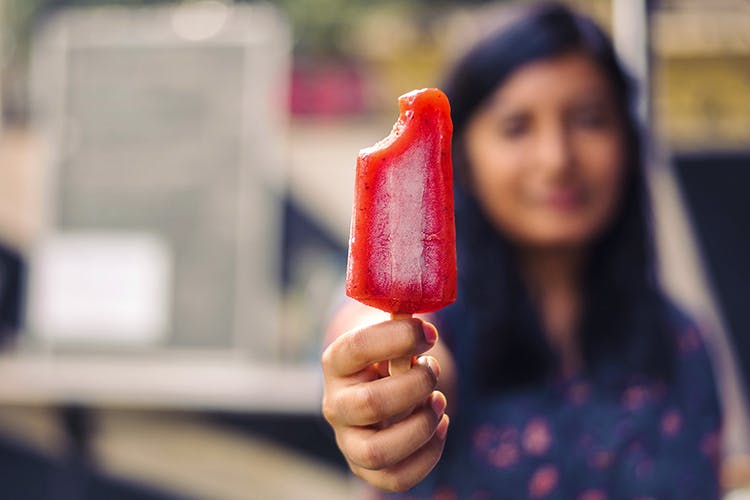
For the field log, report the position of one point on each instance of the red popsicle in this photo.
(402, 246)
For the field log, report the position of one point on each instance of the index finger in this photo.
(360, 348)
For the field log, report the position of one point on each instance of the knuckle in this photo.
(368, 405)
(356, 470)
(355, 345)
(326, 360)
(343, 442)
(394, 482)
(425, 424)
(328, 408)
(371, 456)
(351, 346)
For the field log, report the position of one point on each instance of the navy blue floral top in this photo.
(574, 440)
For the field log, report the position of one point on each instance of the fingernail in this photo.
(438, 403)
(431, 364)
(430, 332)
(442, 428)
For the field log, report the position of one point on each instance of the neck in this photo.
(553, 278)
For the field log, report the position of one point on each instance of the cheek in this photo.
(496, 180)
(603, 174)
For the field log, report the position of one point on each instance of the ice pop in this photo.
(402, 245)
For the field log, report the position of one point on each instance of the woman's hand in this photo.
(361, 402)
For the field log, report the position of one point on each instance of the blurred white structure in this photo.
(171, 121)
(164, 132)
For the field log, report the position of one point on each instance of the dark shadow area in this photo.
(306, 434)
(29, 475)
(715, 187)
(12, 289)
(300, 234)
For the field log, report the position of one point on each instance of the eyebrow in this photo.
(591, 97)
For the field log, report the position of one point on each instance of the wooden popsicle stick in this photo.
(399, 365)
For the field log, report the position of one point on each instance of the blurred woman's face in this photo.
(547, 153)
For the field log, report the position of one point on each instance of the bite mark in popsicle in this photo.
(402, 250)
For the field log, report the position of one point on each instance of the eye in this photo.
(589, 117)
(515, 126)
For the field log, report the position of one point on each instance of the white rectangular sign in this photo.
(101, 288)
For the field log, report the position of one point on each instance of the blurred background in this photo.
(175, 191)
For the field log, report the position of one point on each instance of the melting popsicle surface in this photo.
(402, 251)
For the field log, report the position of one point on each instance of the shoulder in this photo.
(694, 371)
(690, 342)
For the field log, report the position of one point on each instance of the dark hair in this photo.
(622, 332)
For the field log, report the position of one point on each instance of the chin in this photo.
(563, 237)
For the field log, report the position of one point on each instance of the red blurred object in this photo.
(327, 89)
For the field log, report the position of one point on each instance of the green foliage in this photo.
(320, 26)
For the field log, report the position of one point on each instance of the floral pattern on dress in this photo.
(577, 440)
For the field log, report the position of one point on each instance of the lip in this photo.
(564, 199)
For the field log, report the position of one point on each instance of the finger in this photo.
(412, 470)
(378, 449)
(357, 349)
(372, 402)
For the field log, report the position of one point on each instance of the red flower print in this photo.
(497, 446)
(444, 494)
(543, 481)
(671, 423)
(537, 437)
(592, 495)
(601, 459)
(505, 455)
(634, 397)
(483, 437)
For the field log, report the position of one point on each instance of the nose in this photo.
(554, 151)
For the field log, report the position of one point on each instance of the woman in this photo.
(566, 372)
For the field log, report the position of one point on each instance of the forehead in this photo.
(554, 80)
